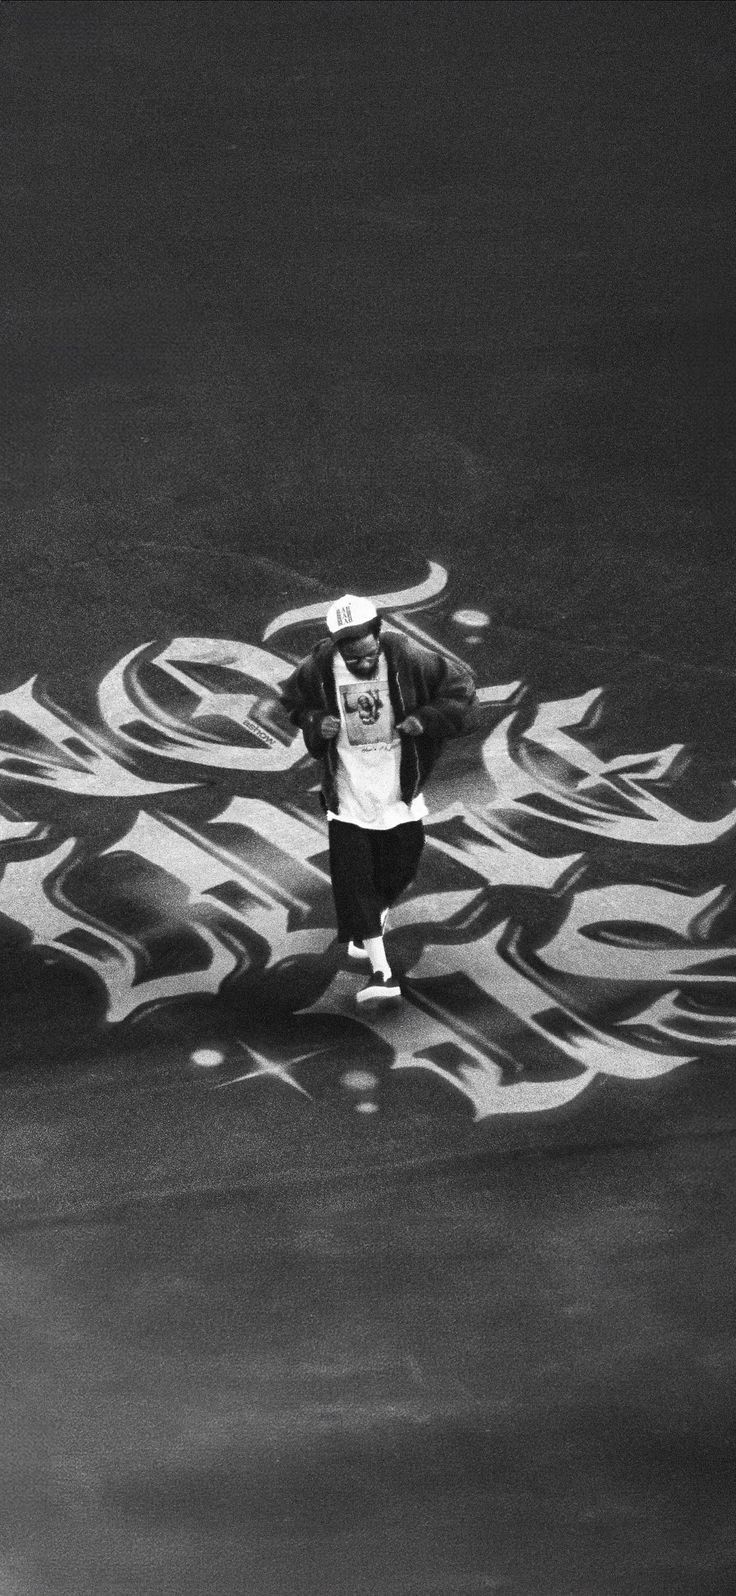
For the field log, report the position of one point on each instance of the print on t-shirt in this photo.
(367, 713)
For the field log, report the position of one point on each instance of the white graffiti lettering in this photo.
(32, 894)
(514, 948)
(676, 1016)
(12, 828)
(587, 794)
(611, 933)
(147, 724)
(43, 745)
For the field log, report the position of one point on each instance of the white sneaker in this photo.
(379, 989)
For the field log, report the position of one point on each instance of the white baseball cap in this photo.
(350, 615)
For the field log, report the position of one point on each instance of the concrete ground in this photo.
(297, 299)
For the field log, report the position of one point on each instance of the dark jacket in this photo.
(421, 682)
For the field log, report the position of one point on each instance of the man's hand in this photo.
(411, 727)
(329, 726)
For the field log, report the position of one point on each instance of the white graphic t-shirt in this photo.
(369, 753)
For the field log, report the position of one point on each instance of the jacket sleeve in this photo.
(451, 702)
(300, 698)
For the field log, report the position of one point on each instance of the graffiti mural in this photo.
(569, 922)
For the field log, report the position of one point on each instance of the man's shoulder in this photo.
(310, 671)
(433, 665)
(319, 657)
(398, 645)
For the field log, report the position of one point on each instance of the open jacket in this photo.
(421, 682)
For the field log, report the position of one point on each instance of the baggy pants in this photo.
(370, 870)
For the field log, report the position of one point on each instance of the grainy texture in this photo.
(296, 297)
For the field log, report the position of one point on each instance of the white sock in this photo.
(377, 954)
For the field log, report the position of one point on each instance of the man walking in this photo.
(375, 708)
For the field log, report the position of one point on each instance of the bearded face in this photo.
(361, 654)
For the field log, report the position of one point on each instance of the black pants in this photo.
(370, 870)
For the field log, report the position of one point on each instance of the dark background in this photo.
(320, 292)
(353, 285)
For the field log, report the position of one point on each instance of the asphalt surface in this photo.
(297, 299)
